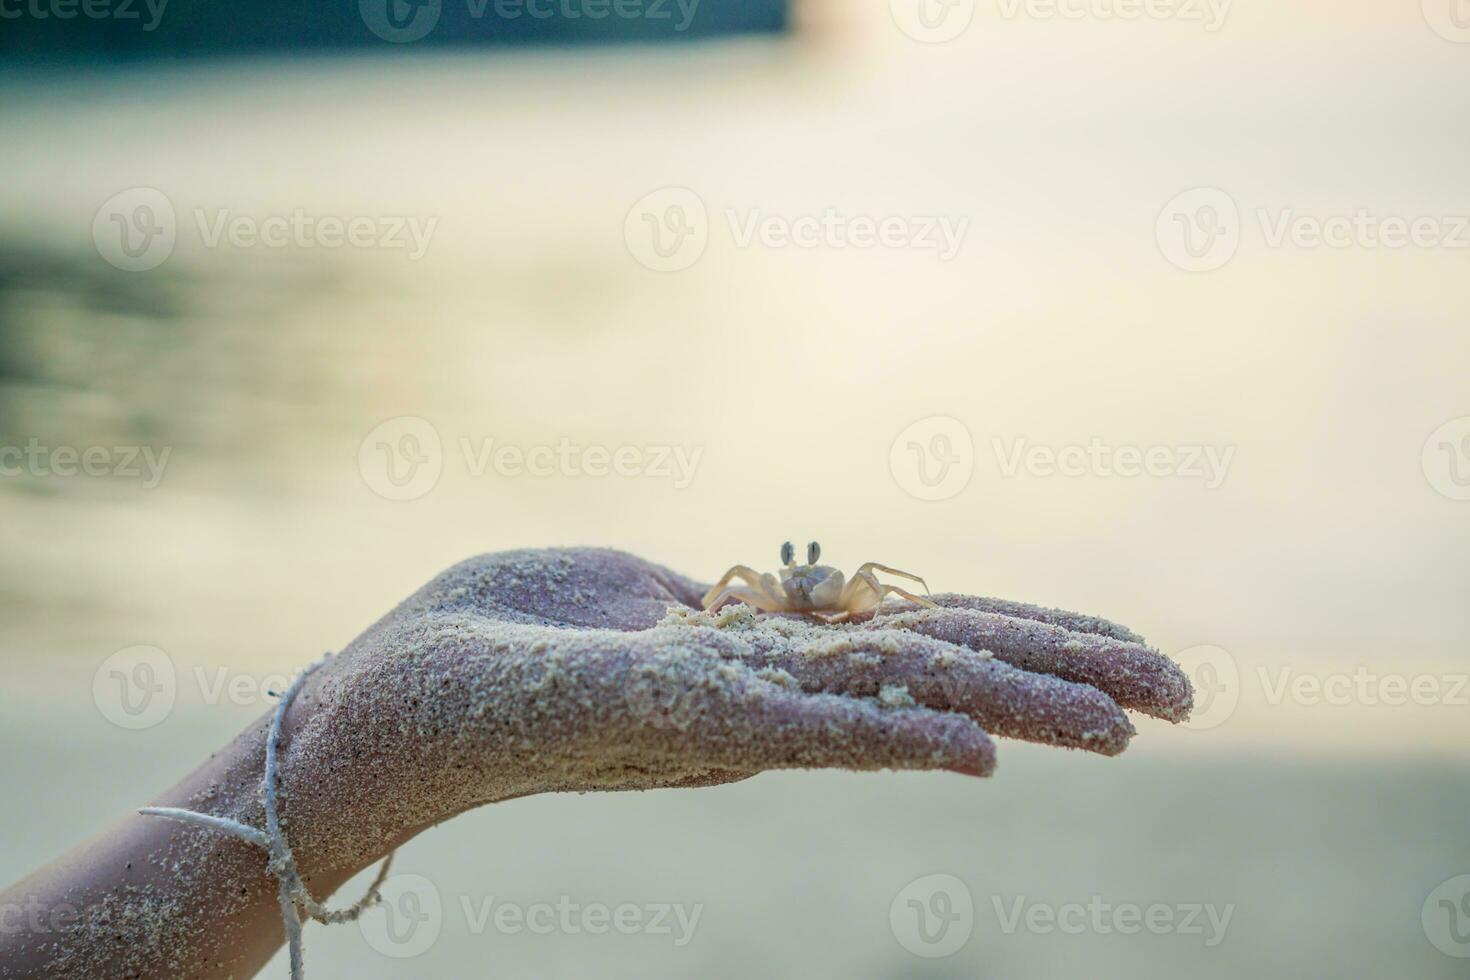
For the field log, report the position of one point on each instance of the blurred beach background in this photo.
(324, 421)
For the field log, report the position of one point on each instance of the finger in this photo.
(693, 697)
(711, 777)
(1005, 700)
(786, 728)
(1076, 622)
(1134, 675)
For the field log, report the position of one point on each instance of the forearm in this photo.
(153, 898)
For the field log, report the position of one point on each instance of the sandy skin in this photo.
(570, 670)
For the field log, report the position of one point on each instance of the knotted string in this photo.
(291, 890)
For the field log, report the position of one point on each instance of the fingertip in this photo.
(1170, 695)
(980, 765)
(1112, 739)
(967, 748)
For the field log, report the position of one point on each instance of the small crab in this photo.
(816, 590)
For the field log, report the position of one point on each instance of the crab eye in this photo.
(813, 552)
(787, 553)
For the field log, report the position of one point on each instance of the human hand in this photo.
(541, 671)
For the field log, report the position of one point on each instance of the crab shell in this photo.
(809, 587)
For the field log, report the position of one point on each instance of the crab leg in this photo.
(751, 578)
(850, 600)
(909, 596)
(746, 595)
(850, 596)
(832, 619)
(868, 567)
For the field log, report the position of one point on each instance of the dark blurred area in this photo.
(88, 348)
(64, 31)
(89, 352)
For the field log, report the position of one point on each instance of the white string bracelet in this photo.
(291, 891)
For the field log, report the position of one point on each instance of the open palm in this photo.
(586, 669)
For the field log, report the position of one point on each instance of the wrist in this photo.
(231, 785)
